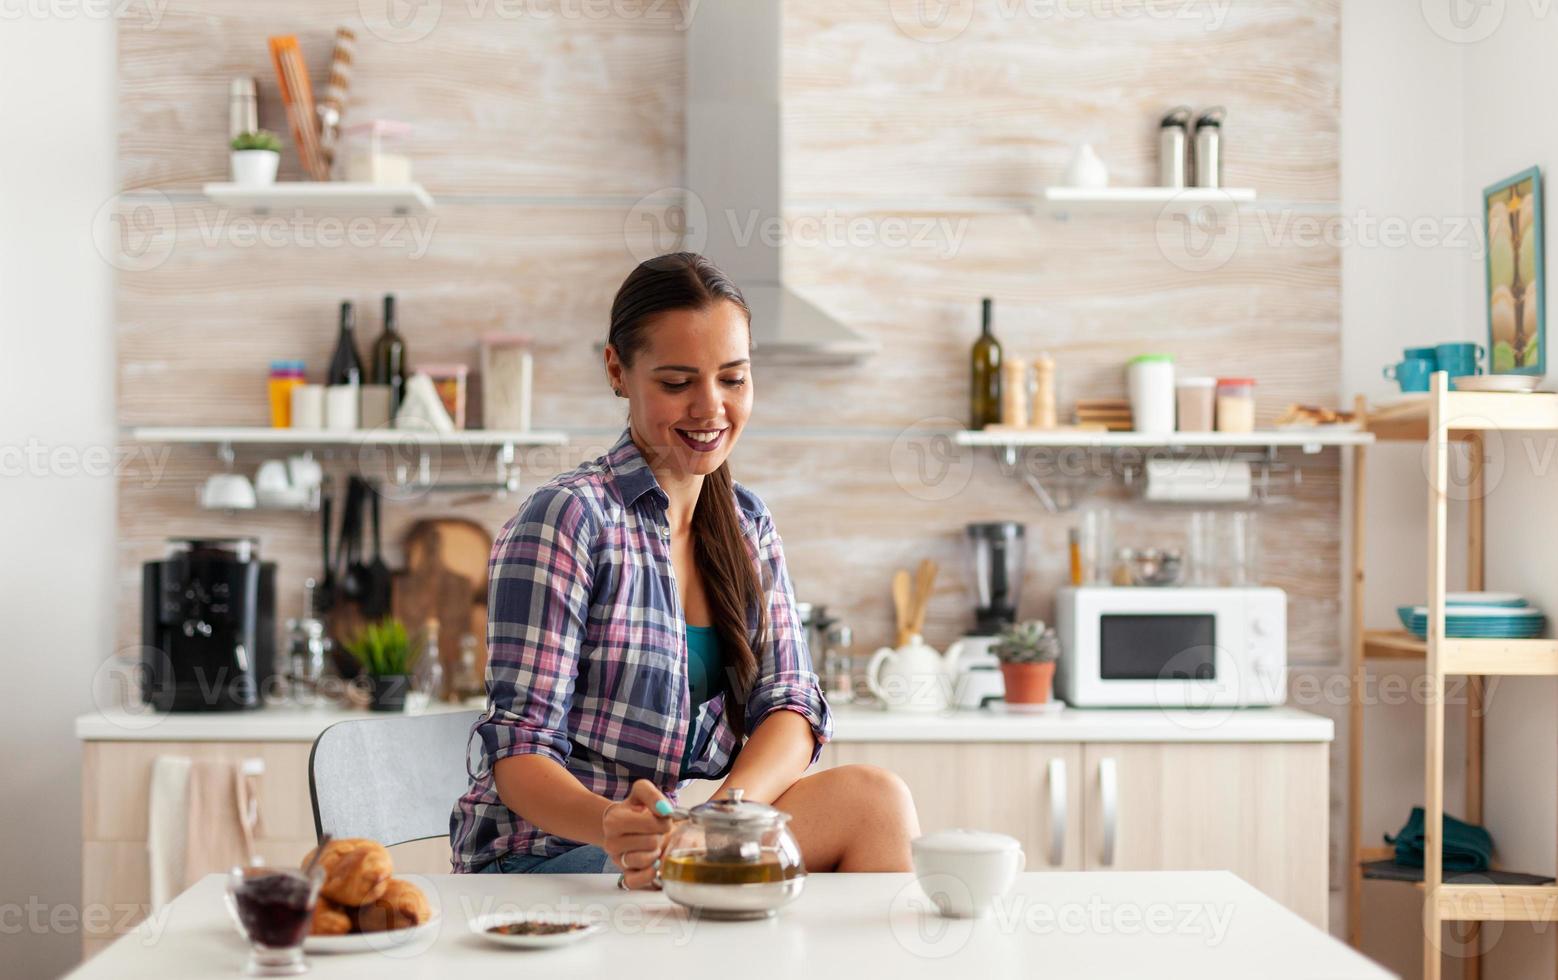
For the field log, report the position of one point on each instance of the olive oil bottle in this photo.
(985, 401)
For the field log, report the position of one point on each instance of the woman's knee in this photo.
(877, 788)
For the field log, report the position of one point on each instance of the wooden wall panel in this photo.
(539, 135)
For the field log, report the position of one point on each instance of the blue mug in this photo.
(1459, 359)
(1411, 374)
(1428, 354)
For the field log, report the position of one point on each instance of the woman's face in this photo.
(689, 387)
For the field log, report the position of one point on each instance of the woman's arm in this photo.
(547, 795)
(774, 757)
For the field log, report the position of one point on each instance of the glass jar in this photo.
(1235, 405)
(732, 859)
(1197, 404)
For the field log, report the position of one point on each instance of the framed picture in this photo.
(1517, 294)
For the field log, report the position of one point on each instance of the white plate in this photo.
(1497, 382)
(481, 924)
(1514, 599)
(370, 942)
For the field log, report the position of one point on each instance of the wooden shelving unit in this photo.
(1438, 419)
(325, 195)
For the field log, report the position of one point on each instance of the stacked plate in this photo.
(1480, 615)
(1509, 383)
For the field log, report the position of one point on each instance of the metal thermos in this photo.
(243, 107)
(1209, 148)
(1173, 137)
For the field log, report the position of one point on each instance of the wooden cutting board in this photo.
(446, 579)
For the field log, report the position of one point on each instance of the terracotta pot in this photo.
(1028, 683)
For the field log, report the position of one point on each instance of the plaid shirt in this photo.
(588, 651)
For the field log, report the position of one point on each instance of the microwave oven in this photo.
(1172, 647)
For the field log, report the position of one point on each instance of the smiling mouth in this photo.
(702, 440)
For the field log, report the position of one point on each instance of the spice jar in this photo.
(1014, 392)
(1235, 404)
(507, 369)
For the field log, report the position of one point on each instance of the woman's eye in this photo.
(675, 385)
(735, 382)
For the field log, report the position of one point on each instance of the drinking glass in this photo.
(274, 908)
(1201, 549)
(1241, 549)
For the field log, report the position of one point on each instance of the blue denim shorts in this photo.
(585, 859)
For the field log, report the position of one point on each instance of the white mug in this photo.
(964, 872)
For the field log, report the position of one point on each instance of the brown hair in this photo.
(687, 281)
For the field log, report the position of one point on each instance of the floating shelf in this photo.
(1310, 440)
(1143, 200)
(258, 435)
(325, 196)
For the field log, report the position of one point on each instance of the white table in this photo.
(1199, 924)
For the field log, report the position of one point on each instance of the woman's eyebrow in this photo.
(685, 369)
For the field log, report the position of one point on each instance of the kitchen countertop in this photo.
(851, 724)
(1206, 925)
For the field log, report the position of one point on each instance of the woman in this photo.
(643, 630)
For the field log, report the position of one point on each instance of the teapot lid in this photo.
(731, 810)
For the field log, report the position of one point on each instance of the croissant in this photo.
(356, 870)
(402, 905)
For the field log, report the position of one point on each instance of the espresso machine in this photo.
(997, 552)
(208, 626)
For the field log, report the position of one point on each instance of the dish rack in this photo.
(1441, 418)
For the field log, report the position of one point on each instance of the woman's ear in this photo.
(614, 372)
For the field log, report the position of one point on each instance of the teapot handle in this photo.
(953, 653)
(874, 668)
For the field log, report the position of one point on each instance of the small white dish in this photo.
(371, 942)
(1509, 383)
(481, 924)
(1485, 599)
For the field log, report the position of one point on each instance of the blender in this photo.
(997, 550)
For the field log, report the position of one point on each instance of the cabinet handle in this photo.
(1109, 800)
(1057, 812)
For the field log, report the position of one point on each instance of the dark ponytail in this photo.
(687, 281)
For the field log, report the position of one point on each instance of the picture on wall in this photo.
(1517, 321)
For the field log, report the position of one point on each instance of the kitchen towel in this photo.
(203, 816)
(1467, 847)
(1197, 481)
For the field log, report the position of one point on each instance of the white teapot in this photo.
(913, 677)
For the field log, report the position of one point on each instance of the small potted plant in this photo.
(1027, 652)
(384, 650)
(255, 157)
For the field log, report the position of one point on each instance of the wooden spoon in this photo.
(924, 581)
(901, 605)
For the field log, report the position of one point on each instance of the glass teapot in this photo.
(730, 858)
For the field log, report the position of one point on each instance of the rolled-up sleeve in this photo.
(538, 600)
(785, 680)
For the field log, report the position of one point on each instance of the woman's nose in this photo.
(706, 402)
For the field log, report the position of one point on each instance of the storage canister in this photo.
(1197, 404)
(1150, 380)
(507, 370)
(1235, 404)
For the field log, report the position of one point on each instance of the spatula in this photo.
(380, 580)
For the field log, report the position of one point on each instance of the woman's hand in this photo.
(635, 830)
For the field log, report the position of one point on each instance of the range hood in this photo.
(735, 176)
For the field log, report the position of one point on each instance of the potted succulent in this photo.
(384, 650)
(1027, 652)
(255, 157)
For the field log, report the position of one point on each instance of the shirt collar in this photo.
(632, 473)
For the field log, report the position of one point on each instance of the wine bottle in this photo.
(345, 365)
(985, 403)
(389, 357)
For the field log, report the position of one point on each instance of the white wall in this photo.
(56, 395)
(1433, 110)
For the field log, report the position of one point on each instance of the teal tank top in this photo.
(705, 677)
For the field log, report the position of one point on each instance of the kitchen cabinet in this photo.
(1031, 791)
(1258, 809)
